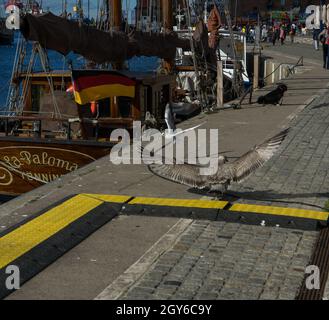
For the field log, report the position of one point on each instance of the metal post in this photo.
(69, 130)
(40, 128)
(220, 87)
(97, 130)
(256, 71)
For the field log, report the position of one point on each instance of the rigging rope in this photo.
(196, 68)
(45, 65)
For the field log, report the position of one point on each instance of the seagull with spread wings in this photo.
(237, 171)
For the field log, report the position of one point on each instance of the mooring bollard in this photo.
(256, 71)
(220, 86)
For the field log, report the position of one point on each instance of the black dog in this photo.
(274, 97)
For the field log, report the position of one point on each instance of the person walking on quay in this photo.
(276, 34)
(264, 33)
(282, 34)
(324, 39)
(316, 33)
(270, 34)
(292, 33)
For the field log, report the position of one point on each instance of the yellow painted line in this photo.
(188, 203)
(281, 211)
(36, 231)
(109, 198)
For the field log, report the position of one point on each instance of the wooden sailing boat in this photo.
(44, 135)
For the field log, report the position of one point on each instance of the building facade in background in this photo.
(247, 7)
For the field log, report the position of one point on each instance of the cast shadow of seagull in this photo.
(268, 196)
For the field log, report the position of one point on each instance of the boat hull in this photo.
(6, 39)
(26, 164)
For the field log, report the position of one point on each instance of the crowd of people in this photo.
(279, 32)
(274, 33)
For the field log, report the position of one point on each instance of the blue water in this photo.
(58, 62)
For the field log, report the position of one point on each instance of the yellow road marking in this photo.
(109, 198)
(281, 211)
(34, 232)
(188, 203)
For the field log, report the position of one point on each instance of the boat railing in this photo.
(6, 113)
(35, 126)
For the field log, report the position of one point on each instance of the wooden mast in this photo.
(168, 23)
(116, 22)
(116, 14)
(167, 15)
(115, 25)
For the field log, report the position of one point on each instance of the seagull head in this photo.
(222, 159)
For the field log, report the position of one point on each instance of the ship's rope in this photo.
(159, 16)
(22, 99)
(15, 66)
(195, 63)
(45, 65)
(149, 20)
(128, 8)
(140, 24)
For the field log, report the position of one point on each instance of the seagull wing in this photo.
(186, 174)
(190, 175)
(256, 158)
(180, 132)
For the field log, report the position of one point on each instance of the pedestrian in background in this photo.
(324, 39)
(282, 34)
(316, 33)
(292, 33)
(270, 34)
(276, 34)
(264, 33)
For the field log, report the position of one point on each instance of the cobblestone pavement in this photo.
(299, 174)
(217, 260)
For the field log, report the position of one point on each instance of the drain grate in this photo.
(320, 258)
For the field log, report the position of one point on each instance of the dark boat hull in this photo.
(6, 39)
(6, 35)
(26, 164)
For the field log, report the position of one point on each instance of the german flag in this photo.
(94, 85)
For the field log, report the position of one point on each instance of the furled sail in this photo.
(64, 36)
(214, 23)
